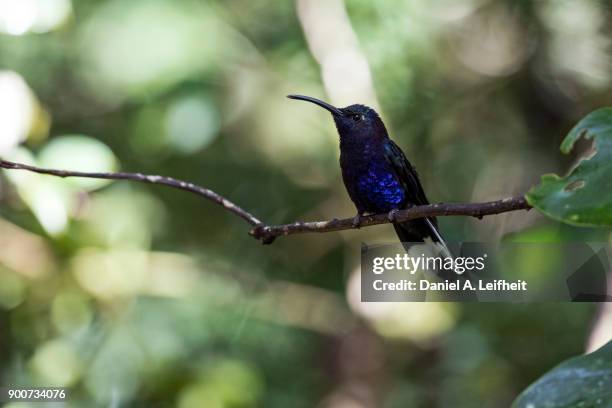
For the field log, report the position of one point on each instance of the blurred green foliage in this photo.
(581, 381)
(136, 295)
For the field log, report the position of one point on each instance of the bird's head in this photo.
(353, 121)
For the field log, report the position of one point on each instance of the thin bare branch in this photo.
(143, 178)
(478, 210)
(267, 233)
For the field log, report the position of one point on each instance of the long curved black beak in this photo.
(324, 105)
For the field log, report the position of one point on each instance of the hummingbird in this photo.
(377, 175)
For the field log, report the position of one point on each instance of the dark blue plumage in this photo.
(377, 175)
(380, 190)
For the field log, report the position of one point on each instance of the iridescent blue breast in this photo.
(381, 191)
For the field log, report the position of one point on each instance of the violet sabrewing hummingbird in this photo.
(376, 173)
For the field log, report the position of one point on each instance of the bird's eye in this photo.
(357, 117)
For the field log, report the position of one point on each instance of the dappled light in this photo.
(136, 294)
(39, 16)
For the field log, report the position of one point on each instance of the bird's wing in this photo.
(415, 230)
(406, 174)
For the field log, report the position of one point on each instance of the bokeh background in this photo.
(142, 296)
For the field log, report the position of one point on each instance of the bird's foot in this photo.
(392, 215)
(356, 221)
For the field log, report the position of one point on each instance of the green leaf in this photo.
(583, 381)
(584, 197)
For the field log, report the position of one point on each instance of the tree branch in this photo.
(143, 178)
(478, 210)
(267, 233)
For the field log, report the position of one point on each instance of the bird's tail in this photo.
(420, 230)
(438, 238)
